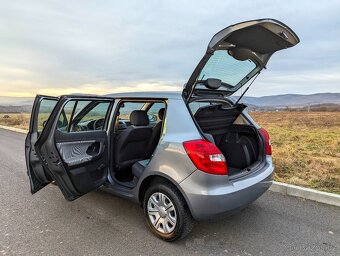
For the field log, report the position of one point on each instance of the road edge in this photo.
(13, 129)
(306, 193)
(278, 187)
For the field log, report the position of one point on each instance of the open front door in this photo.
(42, 108)
(73, 146)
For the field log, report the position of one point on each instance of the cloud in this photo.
(30, 89)
(83, 46)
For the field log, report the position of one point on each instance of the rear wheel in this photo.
(166, 212)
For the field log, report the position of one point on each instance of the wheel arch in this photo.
(153, 178)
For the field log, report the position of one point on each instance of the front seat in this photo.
(130, 146)
(156, 133)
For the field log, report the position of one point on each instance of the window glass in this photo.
(62, 122)
(65, 116)
(127, 107)
(153, 111)
(88, 116)
(224, 67)
(45, 110)
(94, 119)
(81, 104)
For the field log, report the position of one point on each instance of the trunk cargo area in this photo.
(239, 143)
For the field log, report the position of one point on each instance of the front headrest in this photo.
(161, 113)
(139, 118)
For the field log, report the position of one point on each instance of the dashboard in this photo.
(90, 125)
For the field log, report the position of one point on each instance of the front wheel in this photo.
(166, 211)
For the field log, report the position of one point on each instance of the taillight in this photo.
(206, 156)
(268, 145)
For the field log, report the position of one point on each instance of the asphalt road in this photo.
(102, 224)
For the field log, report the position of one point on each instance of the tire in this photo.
(184, 221)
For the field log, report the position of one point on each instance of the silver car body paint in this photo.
(207, 195)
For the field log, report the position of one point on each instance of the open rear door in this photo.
(73, 146)
(236, 54)
(42, 108)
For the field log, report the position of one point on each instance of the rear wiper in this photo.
(247, 89)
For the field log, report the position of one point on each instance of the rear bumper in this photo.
(210, 196)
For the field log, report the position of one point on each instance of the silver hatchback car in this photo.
(184, 156)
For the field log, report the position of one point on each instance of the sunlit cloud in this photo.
(101, 88)
(53, 47)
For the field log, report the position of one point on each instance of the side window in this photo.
(80, 115)
(80, 106)
(65, 116)
(153, 111)
(122, 119)
(126, 108)
(91, 117)
(45, 110)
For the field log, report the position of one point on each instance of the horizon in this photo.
(53, 49)
(10, 100)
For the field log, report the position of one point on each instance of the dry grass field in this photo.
(17, 120)
(306, 146)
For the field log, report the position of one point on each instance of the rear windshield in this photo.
(224, 67)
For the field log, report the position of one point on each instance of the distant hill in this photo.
(16, 101)
(16, 109)
(293, 100)
(315, 101)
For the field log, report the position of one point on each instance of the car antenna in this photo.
(247, 89)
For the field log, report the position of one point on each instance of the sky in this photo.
(100, 47)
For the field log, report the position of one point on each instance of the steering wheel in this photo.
(79, 128)
(98, 124)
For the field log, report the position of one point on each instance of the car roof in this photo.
(149, 94)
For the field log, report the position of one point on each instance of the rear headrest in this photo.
(139, 118)
(161, 113)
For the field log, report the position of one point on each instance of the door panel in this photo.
(76, 149)
(42, 108)
(77, 159)
(85, 157)
(76, 152)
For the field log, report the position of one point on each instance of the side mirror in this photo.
(152, 118)
(44, 123)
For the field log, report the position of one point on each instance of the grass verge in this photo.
(306, 147)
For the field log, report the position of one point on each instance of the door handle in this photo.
(94, 149)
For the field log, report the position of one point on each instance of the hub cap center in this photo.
(162, 212)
